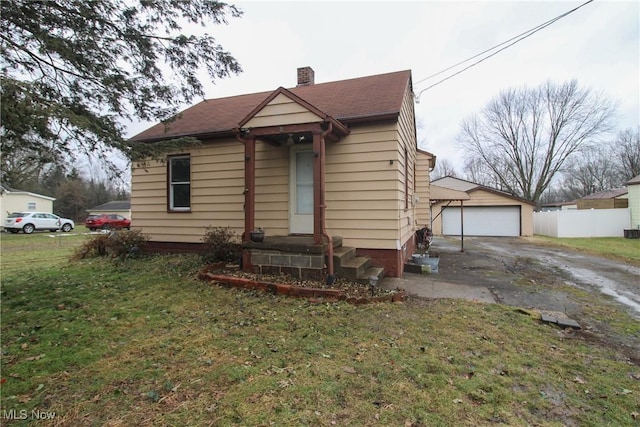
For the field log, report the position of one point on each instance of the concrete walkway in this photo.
(428, 286)
(455, 279)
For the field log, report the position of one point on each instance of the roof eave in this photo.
(500, 193)
(200, 136)
(369, 118)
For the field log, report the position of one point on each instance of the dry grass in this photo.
(627, 250)
(144, 343)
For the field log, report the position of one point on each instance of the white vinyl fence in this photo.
(582, 223)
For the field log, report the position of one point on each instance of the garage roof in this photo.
(454, 183)
(439, 194)
(606, 194)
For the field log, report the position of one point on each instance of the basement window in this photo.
(179, 183)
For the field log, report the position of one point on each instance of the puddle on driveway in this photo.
(606, 286)
(618, 280)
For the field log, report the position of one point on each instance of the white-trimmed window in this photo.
(179, 183)
(31, 206)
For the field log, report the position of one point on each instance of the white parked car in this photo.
(28, 222)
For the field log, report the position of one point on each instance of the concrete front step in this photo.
(343, 254)
(371, 271)
(352, 267)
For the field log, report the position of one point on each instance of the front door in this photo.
(301, 190)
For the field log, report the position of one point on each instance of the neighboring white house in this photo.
(12, 200)
(633, 187)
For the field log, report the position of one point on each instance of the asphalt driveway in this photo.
(516, 272)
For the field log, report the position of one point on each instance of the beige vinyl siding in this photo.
(485, 198)
(217, 193)
(362, 188)
(407, 139)
(272, 189)
(282, 110)
(365, 184)
(362, 197)
(423, 214)
(217, 184)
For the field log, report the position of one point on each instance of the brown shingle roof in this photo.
(634, 180)
(606, 194)
(346, 100)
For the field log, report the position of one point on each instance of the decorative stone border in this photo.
(313, 294)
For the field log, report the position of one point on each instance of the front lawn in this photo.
(143, 342)
(613, 247)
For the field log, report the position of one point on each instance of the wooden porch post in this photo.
(249, 187)
(461, 225)
(317, 187)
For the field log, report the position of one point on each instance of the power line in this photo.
(510, 42)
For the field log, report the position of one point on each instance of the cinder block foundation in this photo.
(304, 266)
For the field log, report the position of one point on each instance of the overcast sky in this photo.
(599, 45)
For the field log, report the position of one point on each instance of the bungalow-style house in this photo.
(120, 207)
(12, 200)
(486, 212)
(633, 187)
(608, 199)
(330, 171)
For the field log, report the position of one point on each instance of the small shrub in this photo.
(120, 244)
(221, 244)
(95, 247)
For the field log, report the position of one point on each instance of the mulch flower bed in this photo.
(315, 291)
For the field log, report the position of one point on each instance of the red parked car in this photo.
(107, 221)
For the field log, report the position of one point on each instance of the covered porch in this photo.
(302, 253)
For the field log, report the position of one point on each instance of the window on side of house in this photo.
(31, 206)
(179, 197)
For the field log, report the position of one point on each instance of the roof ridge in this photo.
(372, 97)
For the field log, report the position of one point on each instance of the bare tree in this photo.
(627, 151)
(476, 171)
(522, 138)
(602, 167)
(595, 170)
(443, 168)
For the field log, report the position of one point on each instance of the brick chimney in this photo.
(305, 76)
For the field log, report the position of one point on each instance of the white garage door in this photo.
(482, 221)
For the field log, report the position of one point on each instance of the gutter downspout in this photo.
(323, 207)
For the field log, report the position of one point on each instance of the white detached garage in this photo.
(487, 212)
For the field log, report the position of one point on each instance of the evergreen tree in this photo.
(74, 70)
